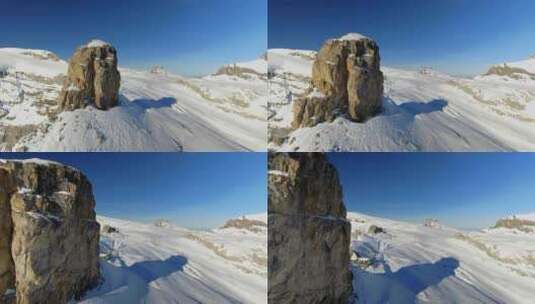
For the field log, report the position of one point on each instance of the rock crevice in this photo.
(346, 80)
(49, 235)
(308, 235)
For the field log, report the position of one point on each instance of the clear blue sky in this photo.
(464, 190)
(196, 190)
(189, 37)
(457, 36)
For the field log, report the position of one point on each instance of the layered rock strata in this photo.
(49, 235)
(92, 78)
(308, 235)
(346, 80)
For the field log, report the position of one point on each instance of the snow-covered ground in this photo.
(413, 263)
(164, 263)
(423, 111)
(157, 112)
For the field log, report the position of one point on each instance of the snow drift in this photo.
(155, 263)
(413, 263)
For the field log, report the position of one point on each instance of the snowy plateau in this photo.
(164, 263)
(158, 111)
(433, 263)
(424, 110)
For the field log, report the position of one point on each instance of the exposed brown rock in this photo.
(7, 268)
(516, 223)
(308, 235)
(52, 249)
(245, 223)
(346, 80)
(374, 229)
(108, 229)
(93, 78)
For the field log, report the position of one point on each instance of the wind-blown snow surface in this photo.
(423, 111)
(412, 263)
(157, 112)
(149, 263)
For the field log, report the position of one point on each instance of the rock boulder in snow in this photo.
(93, 78)
(49, 249)
(308, 236)
(373, 229)
(346, 80)
(520, 224)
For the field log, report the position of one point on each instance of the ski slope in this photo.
(157, 111)
(164, 263)
(423, 111)
(413, 263)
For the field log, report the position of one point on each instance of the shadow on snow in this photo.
(146, 104)
(130, 284)
(416, 108)
(413, 108)
(404, 285)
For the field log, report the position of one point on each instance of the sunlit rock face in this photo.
(346, 80)
(49, 245)
(93, 78)
(308, 235)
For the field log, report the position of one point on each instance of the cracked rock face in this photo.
(308, 235)
(346, 80)
(93, 78)
(49, 235)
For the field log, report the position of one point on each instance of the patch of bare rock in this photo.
(308, 235)
(49, 237)
(346, 81)
(92, 78)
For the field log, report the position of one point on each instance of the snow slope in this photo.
(157, 112)
(148, 263)
(423, 111)
(411, 263)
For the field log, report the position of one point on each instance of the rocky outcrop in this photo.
(308, 235)
(346, 80)
(374, 229)
(235, 70)
(93, 78)
(252, 225)
(516, 223)
(49, 236)
(108, 229)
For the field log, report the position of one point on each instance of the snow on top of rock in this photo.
(38, 161)
(353, 36)
(97, 43)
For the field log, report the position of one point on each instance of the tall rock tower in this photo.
(93, 78)
(49, 237)
(309, 236)
(346, 80)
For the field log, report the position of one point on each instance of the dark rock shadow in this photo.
(404, 285)
(153, 270)
(416, 108)
(146, 104)
(412, 108)
(130, 284)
